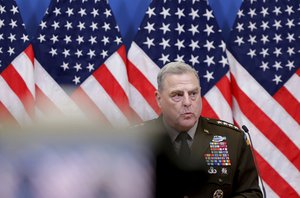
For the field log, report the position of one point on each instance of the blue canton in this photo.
(266, 41)
(186, 31)
(75, 38)
(13, 38)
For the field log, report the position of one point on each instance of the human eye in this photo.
(177, 96)
(193, 94)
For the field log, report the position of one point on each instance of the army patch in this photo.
(218, 155)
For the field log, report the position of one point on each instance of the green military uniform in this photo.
(221, 163)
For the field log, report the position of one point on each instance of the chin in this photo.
(187, 124)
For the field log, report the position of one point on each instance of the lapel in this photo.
(165, 145)
(201, 142)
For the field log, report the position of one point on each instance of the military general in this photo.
(197, 156)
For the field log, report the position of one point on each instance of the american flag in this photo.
(80, 62)
(265, 65)
(186, 31)
(17, 91)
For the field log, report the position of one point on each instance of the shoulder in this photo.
(156, 122)
(223, 127)
(221, 124)
(149, 125)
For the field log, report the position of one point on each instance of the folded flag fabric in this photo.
(17, 90)
(183, 31)
(265, 66)
(80, 63)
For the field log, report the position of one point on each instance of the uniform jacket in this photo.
(221, 163)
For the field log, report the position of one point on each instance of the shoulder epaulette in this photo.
(223, 124)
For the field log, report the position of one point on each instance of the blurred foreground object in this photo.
(75, 161)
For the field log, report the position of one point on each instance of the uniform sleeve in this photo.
(246, 177)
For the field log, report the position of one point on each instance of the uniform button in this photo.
(220, 180)
(218, 194)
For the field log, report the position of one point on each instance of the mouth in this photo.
(187, 114)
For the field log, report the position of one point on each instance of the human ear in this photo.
(158, 98)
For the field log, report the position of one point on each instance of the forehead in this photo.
(181, 81)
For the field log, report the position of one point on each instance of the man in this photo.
(197, 156)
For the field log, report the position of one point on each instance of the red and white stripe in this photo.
(17, 93)
(103, 95)
(274, 127)
(217, 101)
(142, 74)
(289, 96)
(51, 99)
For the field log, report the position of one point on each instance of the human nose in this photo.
(186, 100)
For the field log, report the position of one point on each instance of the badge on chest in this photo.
(218, 155)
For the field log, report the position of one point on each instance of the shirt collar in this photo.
(173, 133)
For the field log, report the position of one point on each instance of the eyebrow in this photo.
(196, 89)
(180, 91)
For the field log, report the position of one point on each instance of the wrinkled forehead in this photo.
(187, 81)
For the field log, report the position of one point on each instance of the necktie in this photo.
(184, 151)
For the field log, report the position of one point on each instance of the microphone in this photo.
(246, 130)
